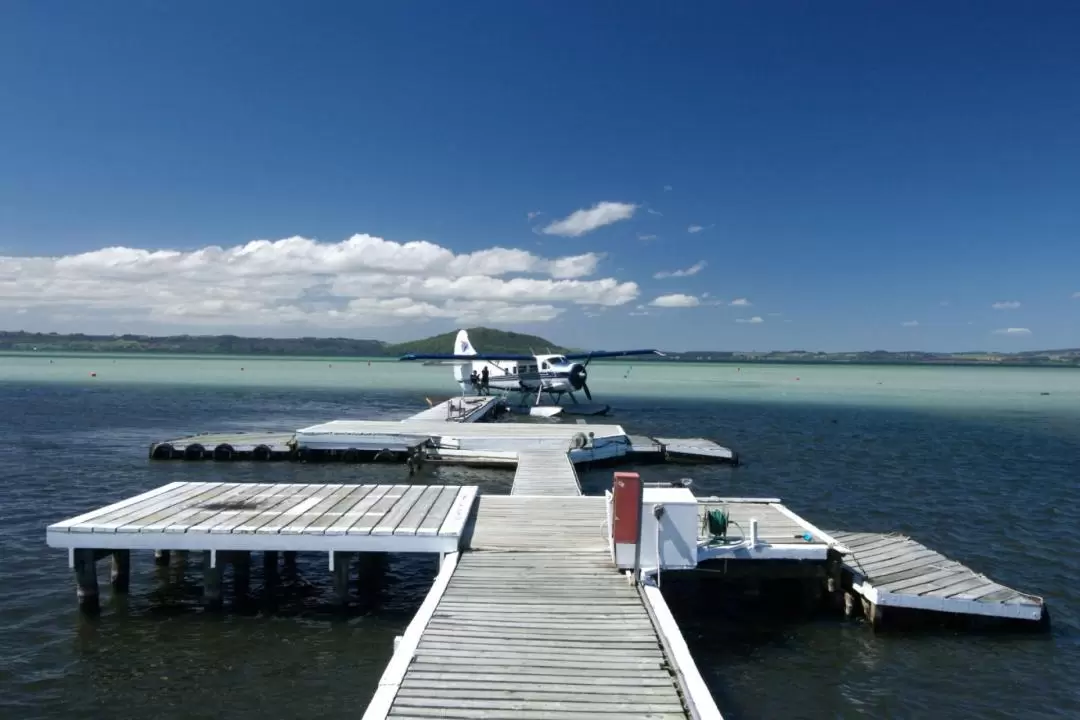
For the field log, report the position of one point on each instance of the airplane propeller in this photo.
(578, 377)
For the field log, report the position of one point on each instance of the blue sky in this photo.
(854, 169)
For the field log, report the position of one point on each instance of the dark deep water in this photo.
(998, 492)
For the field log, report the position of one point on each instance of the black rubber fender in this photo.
(194, 451)
(262, 452)
(224, 451)
(162, 451)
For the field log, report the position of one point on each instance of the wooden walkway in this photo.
(536, 636)
(781, 534)
(464, 409)
(545, 472)
(257, 516)
(891, 570)
(514, 523)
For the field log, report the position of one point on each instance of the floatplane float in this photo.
(529, 377)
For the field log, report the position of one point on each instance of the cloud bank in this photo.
(1016, 332)
(363, 281)
(1006, 305)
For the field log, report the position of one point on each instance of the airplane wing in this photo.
(467, 358)
(610, 353)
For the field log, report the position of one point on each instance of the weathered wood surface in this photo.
(894, 570)
(457, 409)
(696, 448)
(521, 523)
(545, 472)
(774, 526)
(178, 512)
(538, 635)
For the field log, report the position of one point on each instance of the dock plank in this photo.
(260, 516)
(504, 640)
(410, 523)
(545, 472)
(505, 522)
(893, 570)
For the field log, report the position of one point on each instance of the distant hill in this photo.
(490, 340)
(485, 340)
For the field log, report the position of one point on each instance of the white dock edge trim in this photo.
(813, 529)
(394, 674)
(699, 700)
(755, 501)
(1019, 611)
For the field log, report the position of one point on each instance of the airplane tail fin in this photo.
(462, 346)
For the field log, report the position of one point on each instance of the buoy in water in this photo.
(93, 374)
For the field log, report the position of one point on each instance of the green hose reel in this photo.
(716, 525)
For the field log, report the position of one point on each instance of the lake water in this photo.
(975, 462)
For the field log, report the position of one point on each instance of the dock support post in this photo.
(86, 583)
(270, 568)
(211, 580)
(121, 570)
(850, 604)
(161, 557)
(289, 563)
(241, 563)
(340, 562)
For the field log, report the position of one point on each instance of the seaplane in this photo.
(530, 377)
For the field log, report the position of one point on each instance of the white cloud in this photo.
(740, 302)
(910, 323)
(692, 270)
(1076, 295)
(694, 229)
(944, 303)
(535, 214)
(646, 238)
(363, 281)
(676, 300)
(583, 221)
(654, 212)
(1006, 305)
(756, 320)
(667, 188)
(1012, 331)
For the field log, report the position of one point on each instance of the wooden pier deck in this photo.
(892, 570)
(538, 635)
(290, 517)
(780, 534)
(462, 409)
(545, 472)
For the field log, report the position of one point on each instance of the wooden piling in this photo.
(270, 568)
(211, 582)
(161, 557)
(289, 563)
(86, 583)
(341, 577)
(121, 570)
(241, 564)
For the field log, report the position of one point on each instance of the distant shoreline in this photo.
(488, 340)
(160, 354)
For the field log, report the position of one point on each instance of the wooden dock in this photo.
(462, 409)
(257, 516)
(532, 635)
(894, 571)
(764, 529)
(545, 472)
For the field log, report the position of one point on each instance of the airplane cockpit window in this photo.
(559, 360)
(545, 365)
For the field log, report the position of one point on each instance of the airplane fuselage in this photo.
(547, 373)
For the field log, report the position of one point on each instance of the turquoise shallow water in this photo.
(973, 461)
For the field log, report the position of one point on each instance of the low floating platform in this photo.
(893, 571)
